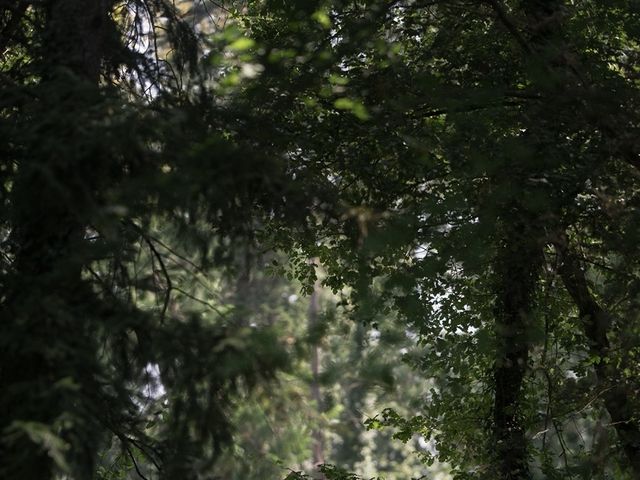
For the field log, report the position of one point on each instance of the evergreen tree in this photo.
(103, 138)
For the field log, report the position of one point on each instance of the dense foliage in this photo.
(452, 185)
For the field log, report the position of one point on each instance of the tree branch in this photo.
(503, 16)
(596, 323)
(135, 464)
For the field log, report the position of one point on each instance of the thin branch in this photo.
(176, 254)
(502, 14)
(139, 446)
(135, 464)
(471, 108)
(165, 273)
(199, 300)
(562, 443)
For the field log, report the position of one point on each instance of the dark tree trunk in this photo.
(43, 308)
(517, 267)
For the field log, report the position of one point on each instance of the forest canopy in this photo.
(304, 239)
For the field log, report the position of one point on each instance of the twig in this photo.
(165, 273)
(135, 464)
(199, 300)
(508, 23)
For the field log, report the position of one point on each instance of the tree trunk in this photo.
(517, 267)
(596, 323)
(317, 445)
(43, 307)
(519, 261)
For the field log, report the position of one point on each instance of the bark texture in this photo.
(596, 323)
(517, 267)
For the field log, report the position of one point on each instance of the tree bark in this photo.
(517, 266)
(317, 446)
(519, 261)
(43, 310)
(596, 323)
(546, 41)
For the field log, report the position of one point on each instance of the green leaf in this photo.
(322, 18)
(241, 44)
(355, 106)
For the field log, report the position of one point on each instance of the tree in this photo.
(505, 118)
(467, 169)
(102, 140)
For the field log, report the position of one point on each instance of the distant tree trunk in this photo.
(244, 297)
(317, 445)
(350, 451)
(42, 315)
(517, 267)
(596, 323)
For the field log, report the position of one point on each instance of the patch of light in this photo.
(428, 445)
(153, 388)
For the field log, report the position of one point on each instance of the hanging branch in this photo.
(135, 464)
(165, 274)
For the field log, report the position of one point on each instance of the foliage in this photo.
(463, 193)
(464, 172)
